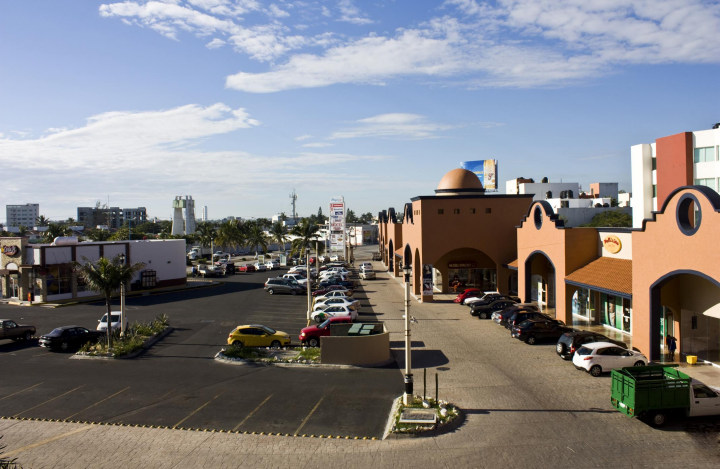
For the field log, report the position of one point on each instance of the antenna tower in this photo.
(293, 196)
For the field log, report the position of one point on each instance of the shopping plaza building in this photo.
(637, 284)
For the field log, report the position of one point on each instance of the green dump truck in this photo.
(656, 392)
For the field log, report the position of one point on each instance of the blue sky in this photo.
(237, 102)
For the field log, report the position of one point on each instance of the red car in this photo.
(246, 268)
(311, 335)
(469, 293)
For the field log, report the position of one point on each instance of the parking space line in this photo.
(196, 410)
(308, 416)
(49, 400)
(98, 402)
(10, 454)
(26, 389)
(251, 413)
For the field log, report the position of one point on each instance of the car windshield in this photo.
(55, 333)
(268, 330)
(115, 318)
(325, 324)
(525, 324)
(584, 351)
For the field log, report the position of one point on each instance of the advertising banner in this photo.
(427, 277)
(486, 171)
(337, 240)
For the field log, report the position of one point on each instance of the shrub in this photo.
(242, 352)
(133, 340)
(310, 353)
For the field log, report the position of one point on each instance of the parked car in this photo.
(333, 311)
(572, 341)
(9, 329)
(489, 297)
(502, 317)
(228, 268)
(68, 338)
(248, 268)
(270, 265)
(468, 293)
(260, 267)
(283, 285)
(524, 314)
(311, 335)
(532, 331)
(484, 310)
(332, 291)
(209, 271)
(335, 281)
(600, 357)
(366, 265)
(367, 274)
(656, 392)
(323, 303)
(255, 335)
(297, 277)
(336, 258)
(114, 325)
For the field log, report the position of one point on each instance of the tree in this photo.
(613, 202)
(70, 220)
(204, 233)
(610, 219)
(320, 217)
(41, 221)
(366, 218)
(350, 217)
(283, 217)
(255, 237)
(622, 191)
(22, 230)
(97, 235)
(55, 230)
(306, 234)
(231, 233)
(122, 234)
(263, 222)
(105, 277)
(279, 234)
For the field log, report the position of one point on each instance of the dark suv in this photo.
(283, 285)
(522, 315)
(569, 342)
(502, 317)
(532, 331)
(484, 309)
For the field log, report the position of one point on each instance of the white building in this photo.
(204, 213)
(25, 215)
(542, 190)
(684, 159)
(183, 222)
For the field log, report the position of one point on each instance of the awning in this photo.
(606, 275)
(512, 265)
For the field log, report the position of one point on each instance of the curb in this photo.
(146, 345)
(205, 430)
(221, 358)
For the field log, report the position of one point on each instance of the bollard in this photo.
(437, 398)
(424, 383)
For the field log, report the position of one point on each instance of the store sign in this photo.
(427, 280)
(10, 250)
(461, 265)
(612, 244)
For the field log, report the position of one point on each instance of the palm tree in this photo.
(231, 234)
(255, 237)
(105, 276)
(97, 235)
(279, 234)
(41, 221)
(306, 234)
(55, 231)
(22, 230)
(205, 233)
(70, 221)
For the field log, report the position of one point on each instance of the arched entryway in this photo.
(417, 274)
(540, 282)
(465, 268)
(686, 304)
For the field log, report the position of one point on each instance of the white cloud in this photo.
(303, 137)
(352, 14)
(277, 12)
(54, 130)
(21, 133)
(215, 43)
(394, 125)
(318, 145)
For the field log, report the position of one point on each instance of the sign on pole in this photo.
(337, 223)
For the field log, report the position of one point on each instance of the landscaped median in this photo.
(137, 338)
(271, 356)
(422, 417)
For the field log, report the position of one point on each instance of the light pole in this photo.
(309, 282)
(212, 257)
(408, 397)
(122, 304)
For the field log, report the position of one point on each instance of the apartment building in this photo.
(25, 214)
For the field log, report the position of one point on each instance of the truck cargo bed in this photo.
(637, 390)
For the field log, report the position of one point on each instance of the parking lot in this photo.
(178, 384)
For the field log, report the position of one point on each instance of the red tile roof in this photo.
(607, 273)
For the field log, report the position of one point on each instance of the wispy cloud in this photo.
(303, 137)
(393, 125)
(318, 145)
(352, 14)
(277, 12)
(215, 43)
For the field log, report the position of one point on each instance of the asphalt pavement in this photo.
(178, 384)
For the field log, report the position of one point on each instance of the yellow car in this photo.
(256, 335)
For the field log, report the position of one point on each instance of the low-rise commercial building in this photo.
(43, 272)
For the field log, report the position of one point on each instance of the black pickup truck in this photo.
(11, 330)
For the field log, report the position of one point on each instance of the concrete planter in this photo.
(149, 342)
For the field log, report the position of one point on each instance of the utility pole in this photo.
(408, 396)
(293, 196)
(309, 283)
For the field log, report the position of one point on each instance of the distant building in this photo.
(183, 215)
(204, 213)
(25, 215)
(113, 217)
(543, 190)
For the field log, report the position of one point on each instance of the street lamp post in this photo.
(408, 397)
(122, 304)
(309, 282)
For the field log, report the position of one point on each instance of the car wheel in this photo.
(596, 370)
(314, 342)
(28, 336)
(275, 344)
(483, 315)
(293, 293)
(271, 291)
(64, 346)
(560, 349)
(530, 340)
(658, 419)
(639, 363)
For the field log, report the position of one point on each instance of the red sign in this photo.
(10, 250)
(461, 265)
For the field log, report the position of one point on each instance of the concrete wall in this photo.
(642, 182)
(674, 164)
(165, 257)
(540, 189)
(355, 350)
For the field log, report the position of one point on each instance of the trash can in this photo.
(691, 359)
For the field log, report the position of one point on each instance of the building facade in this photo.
(183, 222)
(112, 217)
(25, 215)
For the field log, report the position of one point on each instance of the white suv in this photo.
(599, 357)
(297, 277)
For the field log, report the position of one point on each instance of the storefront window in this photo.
(616, 312)
(461, 279)
(59, 280)
(581, 303)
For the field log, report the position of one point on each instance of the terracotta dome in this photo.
(459, 180)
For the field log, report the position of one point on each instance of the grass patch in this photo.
(310, 353)
(417, 403)
(133, 340)
(245, 353)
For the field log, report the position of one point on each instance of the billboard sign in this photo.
(486, 171)
(427, 277)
